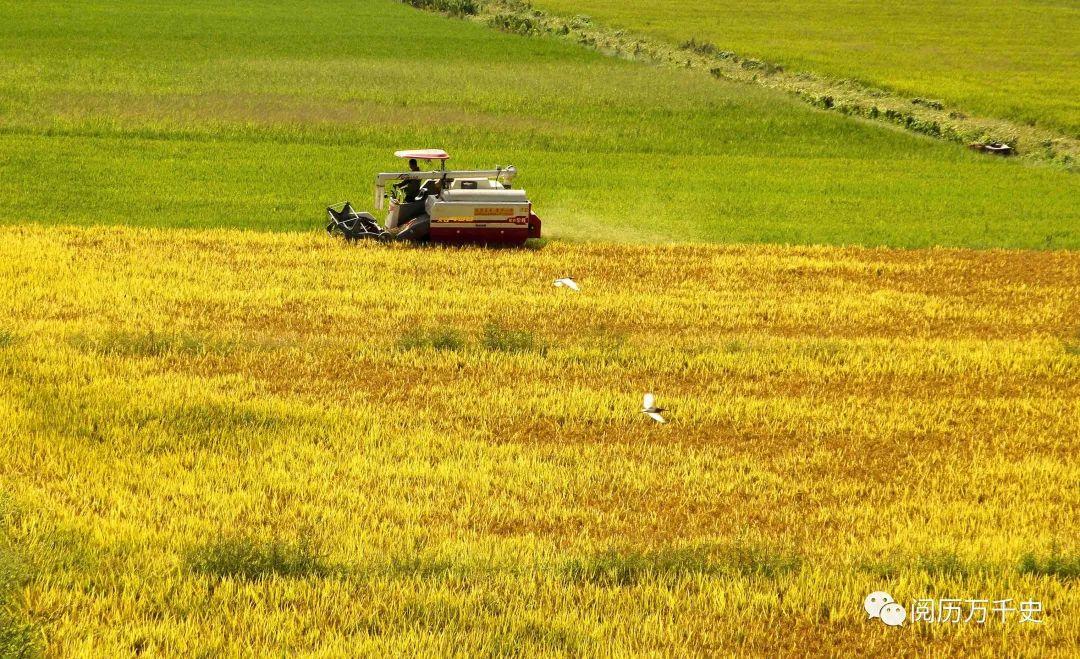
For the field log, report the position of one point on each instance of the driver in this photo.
(410, 188)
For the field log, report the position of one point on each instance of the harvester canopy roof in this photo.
(423, 154)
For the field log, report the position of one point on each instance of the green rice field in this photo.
(1018, 60)
(214, 114)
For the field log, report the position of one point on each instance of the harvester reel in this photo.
(351, 225)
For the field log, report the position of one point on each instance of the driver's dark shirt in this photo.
(409, 188)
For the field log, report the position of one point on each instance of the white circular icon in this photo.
(893, 615)
(875, 601)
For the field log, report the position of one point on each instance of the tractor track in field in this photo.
(925, 116)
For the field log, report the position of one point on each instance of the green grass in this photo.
(1055, 565)
(18, 638)
(250, 560)
(617, 568)
(436, 338)
(124, 344)
(501, 339)
(205, 114)
(1018, 60)
(493, 338)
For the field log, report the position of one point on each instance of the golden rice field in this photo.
(228, 443)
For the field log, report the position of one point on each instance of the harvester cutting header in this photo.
(442, 206)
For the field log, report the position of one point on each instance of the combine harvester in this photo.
(442, 206)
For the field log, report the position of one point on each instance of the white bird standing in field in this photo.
(567, 282)
(649, 409)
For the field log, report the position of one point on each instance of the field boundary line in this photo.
(850, 97)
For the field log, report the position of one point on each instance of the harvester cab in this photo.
(442, 205)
